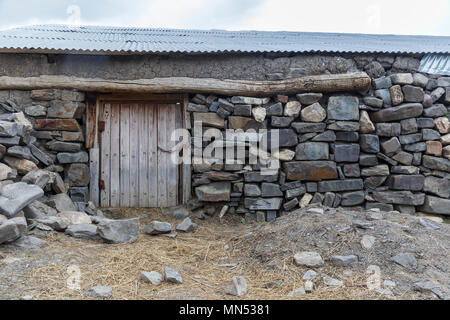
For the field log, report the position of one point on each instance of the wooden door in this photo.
(136, 169)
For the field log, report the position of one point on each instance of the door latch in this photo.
(101, 126)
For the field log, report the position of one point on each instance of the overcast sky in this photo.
(430, 17)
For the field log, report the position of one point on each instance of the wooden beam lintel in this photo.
(319, 83)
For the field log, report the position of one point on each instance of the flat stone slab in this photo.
(344, 261)
(157, 227)
(436, 205)
(170, 275)
(406, 182)
(55, 223)
(309, 259)
(209, 119)
(56, 125)
(309, 98)
(354, 198)
(119, 231)
(99, 292)
(214, 192)
(237, 287)
(404, 111)
(61, 202)
(79, 157)
(152, 277)
(75, 217)
(436, 163)
(309, 275)
(187, 226)
(249, 100)
(399, 197)
(266, 204)
(346, 152)
(9, 231)
(312, 151)
(332, 282)
(343, 108)
(258, 177)
(310, 170)
(83, 231)
(269, 190)
(29, 242)
(308, 127)
(14, 197)
(341, 185)
(406, 260)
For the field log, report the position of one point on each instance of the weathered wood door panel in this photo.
(135, 160)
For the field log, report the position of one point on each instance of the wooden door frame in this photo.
(92, 136)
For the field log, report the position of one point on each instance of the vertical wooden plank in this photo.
(143, 157)
(153, 187)
(187, 173)
(134, 155)
(94, 153)
(105, 152)
(172, 167)
(186, 115)
(162, 155)
(179, 125)
(98, 110)
(94, 171)
(91, 125)
(125, 155)
(115, 156)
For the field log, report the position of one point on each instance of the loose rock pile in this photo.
(333, 248)
(43, 173)
(386, 148)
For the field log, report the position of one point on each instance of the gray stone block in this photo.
(267, 204)
(436, 205)
(404, 111)
(406, 182)
(341, 185)
(369, 143)
(312, 151)
(343, 108)
(346, 152)
(271, 190)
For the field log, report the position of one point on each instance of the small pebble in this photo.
(298, 292)
(170, 275)
(385, 292)
(99, 292)
(389, 283)
(309, 286)
(309, 275)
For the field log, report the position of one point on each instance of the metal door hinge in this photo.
(101, 126)
(101, 184)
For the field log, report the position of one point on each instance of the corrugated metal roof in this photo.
(435, 64)
(118, 40)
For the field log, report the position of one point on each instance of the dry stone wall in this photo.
(387, 147)
(41, 142)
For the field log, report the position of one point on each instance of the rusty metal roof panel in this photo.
(118, 40)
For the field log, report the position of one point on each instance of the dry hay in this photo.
(119, 266)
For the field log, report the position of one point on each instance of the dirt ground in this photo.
(219, 250)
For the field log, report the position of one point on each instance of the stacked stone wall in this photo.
(387, 147)
(41, 140)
